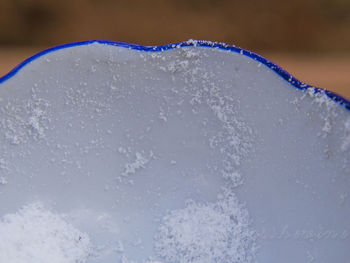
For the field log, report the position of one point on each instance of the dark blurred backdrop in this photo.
(309, 29)
(297, 25)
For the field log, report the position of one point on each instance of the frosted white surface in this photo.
(131, 146)
(36, 235)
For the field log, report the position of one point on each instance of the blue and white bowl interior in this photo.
(190, 152)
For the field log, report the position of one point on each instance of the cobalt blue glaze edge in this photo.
(277, 69)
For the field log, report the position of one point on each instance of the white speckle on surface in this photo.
(34, 121)
(27, 121)
(3, 180)
(235, 178)
(345, 146)
(119, 247)
(343, 198)
(327, 115)
(36, 235)
(122, 150)
(206, 233)
(320, 97)
(192, 42)
(311, 258)
(137, 243)
(139, 163)
(3, 164)
(178, 66)
(190, 53)
(163, 116)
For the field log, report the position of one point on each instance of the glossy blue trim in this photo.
(280, 71)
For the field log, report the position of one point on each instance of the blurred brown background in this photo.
(309, 38)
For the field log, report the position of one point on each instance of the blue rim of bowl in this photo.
(200, 43)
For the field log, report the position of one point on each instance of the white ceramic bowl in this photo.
(191, 152)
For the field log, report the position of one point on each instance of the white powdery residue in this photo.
(183, 64)
(235, 178)
(124, 151)
(3, 164)
(322, 100)
(345, 146)
(235, 141)
(139, 163)
(320, 97)
(207, 233)
(119, 247)
(12, 123)
(34, 121)
(219, 112)
(197, 97)
(163, 115)
(343, 198)
(178, 66)
(327, 126)
(86, 101)
(37, 235)
(25, 119)
(193, 42)
(311, 258)
(113, 88)
(37, 108)
(189, 53)
(126, 260)
(3, 180)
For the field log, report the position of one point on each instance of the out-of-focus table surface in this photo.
(331, 72)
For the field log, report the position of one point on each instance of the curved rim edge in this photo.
(191, 43)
